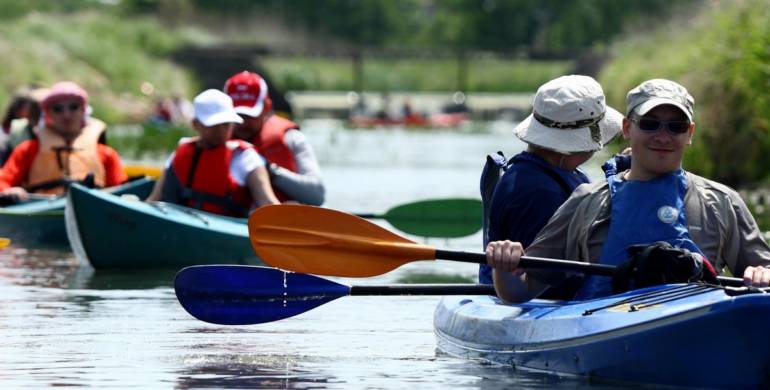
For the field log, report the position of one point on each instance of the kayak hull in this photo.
(40, 222)
(111, 232)
(706, 339)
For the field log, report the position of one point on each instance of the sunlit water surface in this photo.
(62, 324)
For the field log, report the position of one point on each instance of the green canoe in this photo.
(39, 222)
(112, 232)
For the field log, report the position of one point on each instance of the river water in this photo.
(63, 324)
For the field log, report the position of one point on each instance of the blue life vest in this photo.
(642, 212)
(534, 172)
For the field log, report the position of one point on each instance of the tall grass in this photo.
(110, 57)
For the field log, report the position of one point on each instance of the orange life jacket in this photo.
(59, 162)
(271, 145)
(204, 175)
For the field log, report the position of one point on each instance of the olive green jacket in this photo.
(718, 219)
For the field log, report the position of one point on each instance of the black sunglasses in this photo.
(59, 108)
(653, 125)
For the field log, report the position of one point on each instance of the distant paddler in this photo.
(213, 172)
(68, 148)
(294, 171)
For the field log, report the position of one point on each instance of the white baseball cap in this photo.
(213, 107)
(569, 115)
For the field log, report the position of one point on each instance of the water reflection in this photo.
(61, 269)
(236, 374)
(64, 324)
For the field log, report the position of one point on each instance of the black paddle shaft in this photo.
(533, 262)
(566, 265)
(424, 289)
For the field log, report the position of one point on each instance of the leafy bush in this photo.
(722, 57)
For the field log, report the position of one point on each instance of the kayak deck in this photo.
(660, 335)
(40, 222)
(111, 232)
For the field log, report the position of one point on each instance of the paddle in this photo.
(4, 242)
(452, 217)
(321, 241)
(241, 294)
(142, 170)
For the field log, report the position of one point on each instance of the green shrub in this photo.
(722, 57)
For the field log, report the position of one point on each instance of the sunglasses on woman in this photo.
(651, 125)
(71, 107)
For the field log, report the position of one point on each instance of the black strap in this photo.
(194, 165)
(199, 197)
(88, 181)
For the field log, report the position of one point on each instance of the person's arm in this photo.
(753, 253)
(511, 282)
(248, 169)
(258, 182)
(113, 167)
(513, 285)
(15, 170)
(157, 190)
(305, 185)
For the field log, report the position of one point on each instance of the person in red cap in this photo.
(213, 172)
(293, 168)
(68, 148)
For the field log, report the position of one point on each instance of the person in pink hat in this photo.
(213, 172)
(294, 171)
(68, 148)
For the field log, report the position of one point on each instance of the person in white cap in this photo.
(68, 147)
(213, 172)
(294, 171)
(657, 222)
(570, 121)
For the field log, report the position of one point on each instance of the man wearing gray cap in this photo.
(668, 224)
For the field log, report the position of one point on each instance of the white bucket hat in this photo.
(214, 107)
(569, 115)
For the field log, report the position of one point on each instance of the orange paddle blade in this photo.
(321, 241)
(4, 242)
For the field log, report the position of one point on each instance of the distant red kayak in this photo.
(435, 120)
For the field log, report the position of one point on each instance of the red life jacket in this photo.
(207, 183)
(271, 145)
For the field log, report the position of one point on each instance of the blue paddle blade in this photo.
(242, 295)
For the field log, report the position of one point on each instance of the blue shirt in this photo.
(525, 199)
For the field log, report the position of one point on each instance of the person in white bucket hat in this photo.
(656, 222)
(213, 172)
(569, 122)
(570, 116)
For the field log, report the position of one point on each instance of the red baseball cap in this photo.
(248, 91)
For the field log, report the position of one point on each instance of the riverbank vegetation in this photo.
(114, 60)
(722, 57)
(483, 74)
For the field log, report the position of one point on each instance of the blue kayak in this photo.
(112, 232)
(683, 335)
(40, 221)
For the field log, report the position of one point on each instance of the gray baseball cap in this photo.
(656, 92)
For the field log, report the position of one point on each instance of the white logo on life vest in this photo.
(667, 214)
